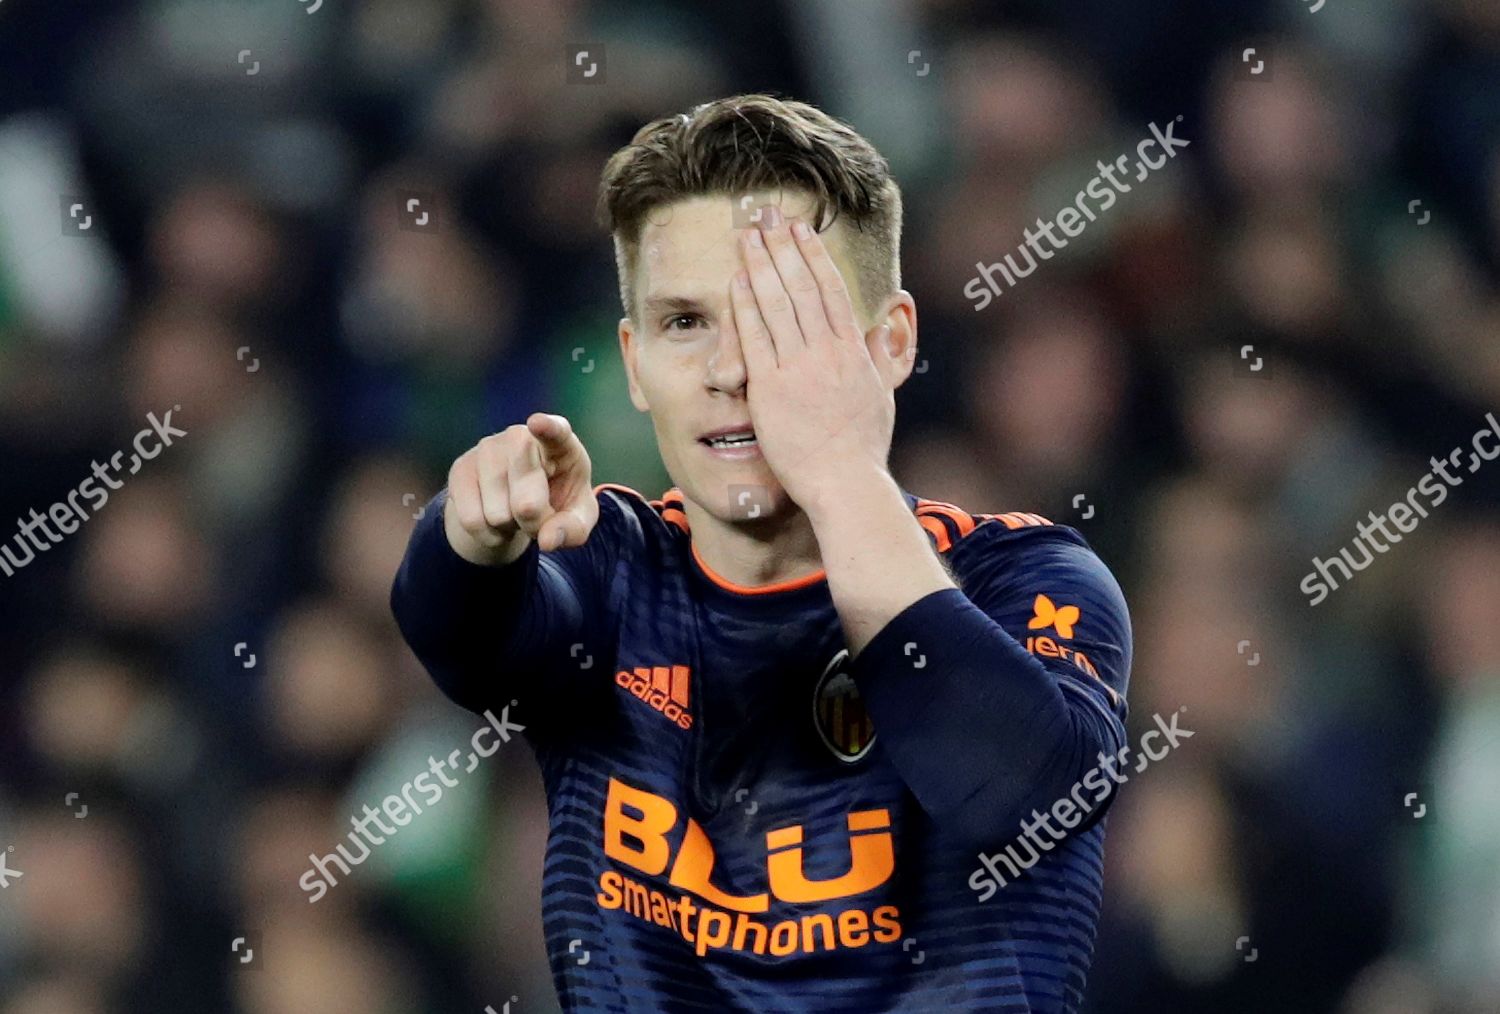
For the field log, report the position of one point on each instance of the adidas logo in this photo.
(662, 688)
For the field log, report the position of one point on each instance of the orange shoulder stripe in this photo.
(623, 489)
(669, 507)
(959, 517)
(938, 514)
(1020, 519)
(938, 531)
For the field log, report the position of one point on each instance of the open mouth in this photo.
(731, 440)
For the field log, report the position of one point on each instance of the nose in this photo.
(726, 366)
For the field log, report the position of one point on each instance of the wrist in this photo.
(857, 488)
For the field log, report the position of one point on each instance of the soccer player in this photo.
(781, 710)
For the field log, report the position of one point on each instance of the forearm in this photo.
(457, 616)
(877, 557)
(979, 730)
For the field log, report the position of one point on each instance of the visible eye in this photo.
(675, 322)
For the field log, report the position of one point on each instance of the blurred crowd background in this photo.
(210, 663)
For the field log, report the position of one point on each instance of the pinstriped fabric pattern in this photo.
(751, 802)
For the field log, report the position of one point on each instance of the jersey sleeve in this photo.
(532, 630)
(995, 700)
(1058, 600)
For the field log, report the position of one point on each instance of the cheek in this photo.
(670, 373)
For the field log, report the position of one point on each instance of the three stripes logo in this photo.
(663, 688)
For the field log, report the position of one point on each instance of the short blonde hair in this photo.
(758, 142)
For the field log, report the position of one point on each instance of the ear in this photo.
(896, 354)
(629, 346)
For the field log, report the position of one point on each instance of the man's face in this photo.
(682, 352)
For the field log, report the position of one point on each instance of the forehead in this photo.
(690, 248)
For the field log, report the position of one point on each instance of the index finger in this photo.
(560, 446)
(553, 432)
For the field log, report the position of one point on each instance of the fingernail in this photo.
(800, 229)
(772, 216)
(755, 238)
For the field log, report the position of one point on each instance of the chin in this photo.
(739, 495)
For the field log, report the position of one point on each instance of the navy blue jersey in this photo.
(742, 817)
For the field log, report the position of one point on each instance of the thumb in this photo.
(571, 525)
(567, 529)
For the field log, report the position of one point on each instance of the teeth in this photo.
(736, 440)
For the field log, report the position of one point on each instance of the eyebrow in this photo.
(675, 304)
